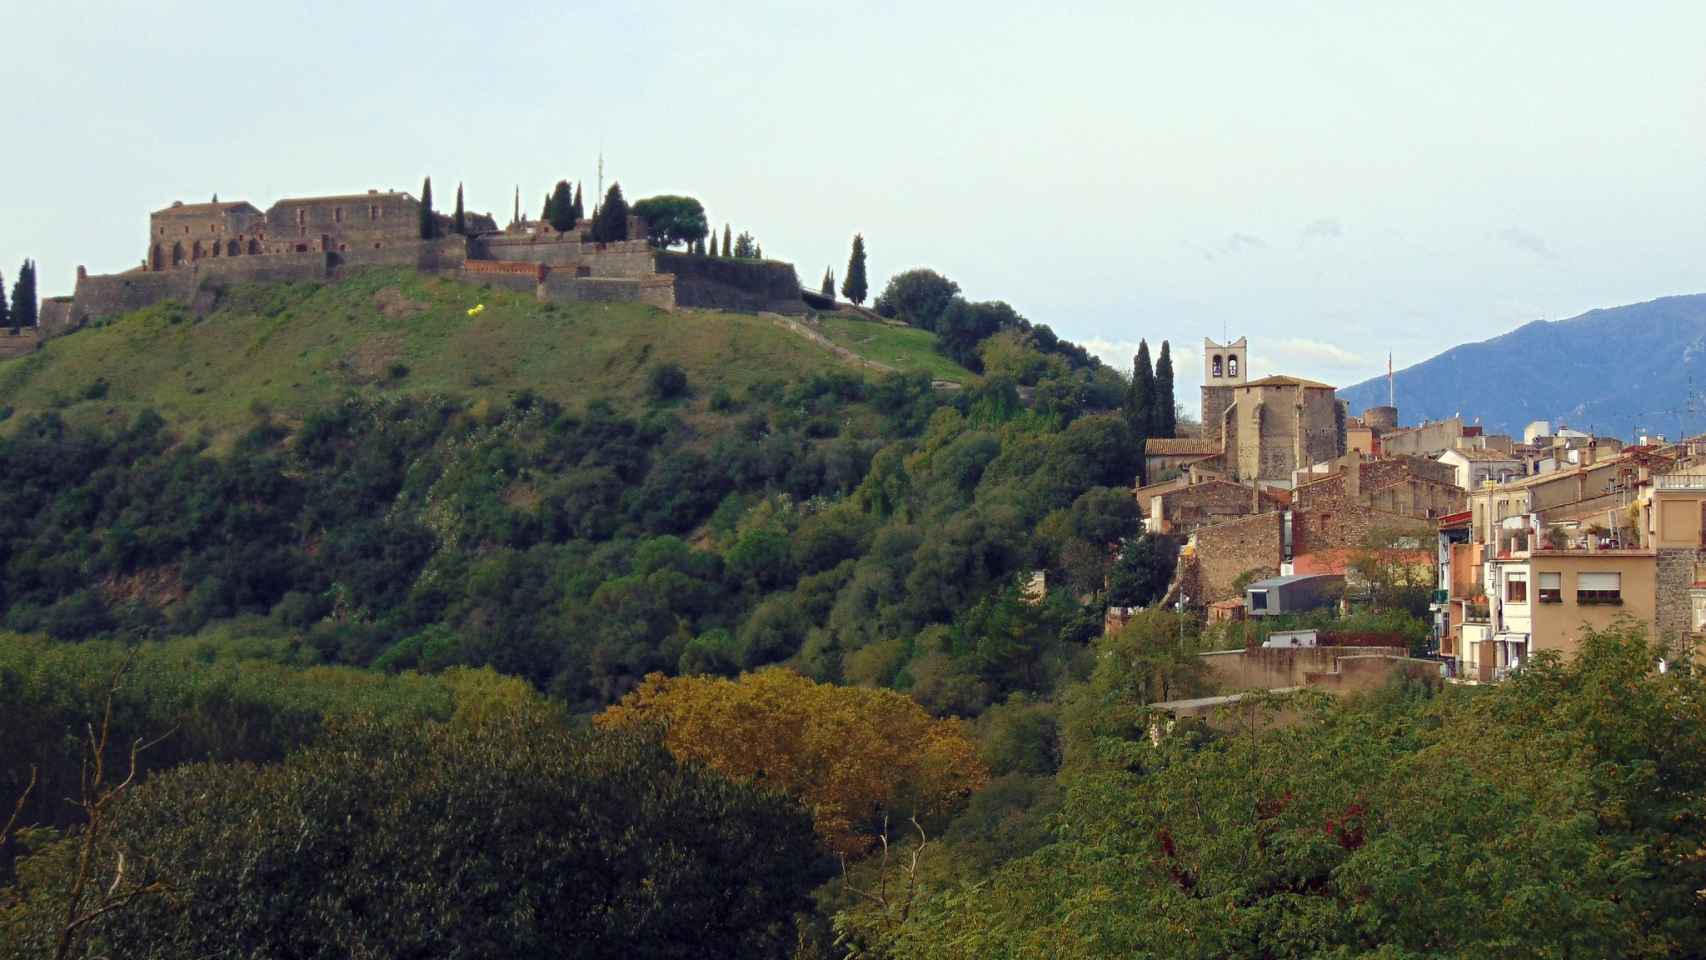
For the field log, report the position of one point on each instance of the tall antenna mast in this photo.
(1391, 385)
(601, 170)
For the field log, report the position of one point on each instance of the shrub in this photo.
(667, 381)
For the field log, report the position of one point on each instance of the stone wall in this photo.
(1225, 550)
(99, 296)
(1674, 581)
(724, 284)
(1276, 668)
(555, 249)
(24, 344)
(1215, 400)
(55, 318)
(1184, 510)
(1427, 440)
(197, 284)
(533, 272)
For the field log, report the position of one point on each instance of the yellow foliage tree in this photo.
(849, 754)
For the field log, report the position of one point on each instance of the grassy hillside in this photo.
(292, 348)
(901, 347)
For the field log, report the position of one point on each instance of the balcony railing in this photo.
(1680, 481)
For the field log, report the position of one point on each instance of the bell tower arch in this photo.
(1224, 366)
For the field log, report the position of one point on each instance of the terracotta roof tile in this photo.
(1181, 447)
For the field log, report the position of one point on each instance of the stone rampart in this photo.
(720, 283)
(556, 249)
(56, 317)
(535, 272)
(655, 291)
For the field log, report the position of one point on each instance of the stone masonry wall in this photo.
(725, 284)
(1673, 605)
(56, 317)
(1201, 504)
(1225, 550)
(24, 344)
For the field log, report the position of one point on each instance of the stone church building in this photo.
(1266, 429)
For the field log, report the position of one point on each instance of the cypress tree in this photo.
(429, 226)
(728, 244)
(1140, 396)
(5, 315)
(24, 297)
(611, 222)
(854, 287)
(545, 211)
(580, 208)
(1164, 421)
(459, 220)
(828, 283)
(758, 252)
(562, 206)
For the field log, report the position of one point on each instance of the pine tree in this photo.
(1140, 396)
(828, 282)
(5, 315)
(459, 220)
(562, 206)
(758, 251)
(610, 224)
(728, 244)
(429, 223)
(1164, 420)
(24, 297)
(854, 287)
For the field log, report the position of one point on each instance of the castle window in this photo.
(254, 246)
(231, 248)
(301, 215)
(1232, 366)
(1216, 370)
(338, 215)
(373, 212)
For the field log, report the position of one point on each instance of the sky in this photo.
(1334, 181)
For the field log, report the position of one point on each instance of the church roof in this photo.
(1283, 381)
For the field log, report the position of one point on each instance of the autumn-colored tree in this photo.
(851, 755)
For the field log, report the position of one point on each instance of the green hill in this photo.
(293, 348)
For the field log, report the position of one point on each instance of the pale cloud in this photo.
(1528, 242)
(1282, 356)
(1326, 228)
(1242, 242)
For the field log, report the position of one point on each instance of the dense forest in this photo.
(749, 672)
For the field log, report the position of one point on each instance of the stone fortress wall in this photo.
(194, 251)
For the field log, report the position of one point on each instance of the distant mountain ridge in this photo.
(1616, 371)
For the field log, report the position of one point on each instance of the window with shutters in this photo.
(1516, 588)
(1551, 588)
(1599, 588)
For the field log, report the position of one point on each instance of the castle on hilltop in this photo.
(195, 251)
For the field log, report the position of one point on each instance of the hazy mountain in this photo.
(1617, 371)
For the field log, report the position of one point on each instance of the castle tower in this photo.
(1224, 366)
